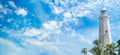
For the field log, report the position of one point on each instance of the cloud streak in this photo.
(12, 4)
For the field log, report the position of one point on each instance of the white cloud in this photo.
(77, 8)
(12, 4)
(50, 25)
(57, 10)
(18, 10)
(1, 6)
(21, 11)
(67, 14)
(9, 47)
(32, 32)
(5, 10)
(61, 45)
(71, 9)
(53, 40)
(47, 46)
(28, 32)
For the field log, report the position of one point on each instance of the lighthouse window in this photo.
(106, 31)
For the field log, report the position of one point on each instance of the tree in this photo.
(110, 49)
(96, 50)
(118, 46)
(84, 51)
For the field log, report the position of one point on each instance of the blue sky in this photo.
(53, 27)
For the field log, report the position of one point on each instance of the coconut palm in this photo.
(84, 51)
(96, 43)
(110, 49)
(118, 45)
(96, 50)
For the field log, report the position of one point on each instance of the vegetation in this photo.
(110, 49)
(96, 49)
(118, 46)
(84, 51)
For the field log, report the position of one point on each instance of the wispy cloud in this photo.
(1, 6)
(21, 11)
(13, 49)
(48, 39)
(9, 47)
(12, 4)
(18, 10)
(4, 10)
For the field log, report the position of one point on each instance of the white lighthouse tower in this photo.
(104, 29)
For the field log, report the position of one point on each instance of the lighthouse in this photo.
(104, 29)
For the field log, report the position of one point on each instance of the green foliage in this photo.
(84, 51)
(109, 49)
(96, 50)
(118, 46)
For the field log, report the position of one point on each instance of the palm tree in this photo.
(96, 43)
(84, 51)
(110, 49)
(118, 45)
(96, 50)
